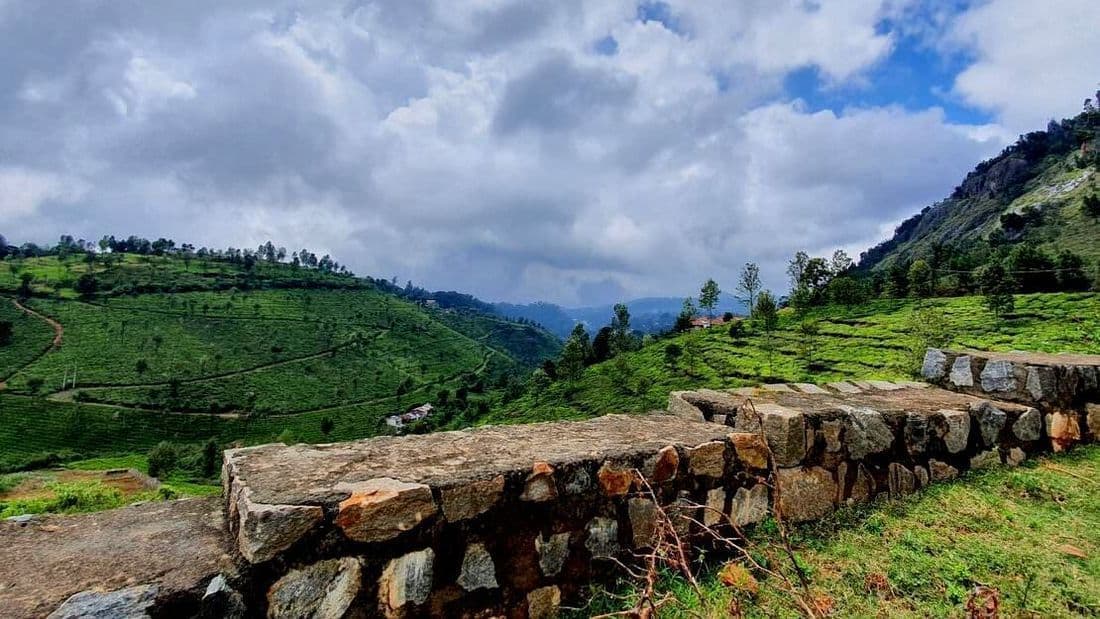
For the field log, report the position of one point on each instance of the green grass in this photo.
(881, 339)
(1016, 530)
(30, 338)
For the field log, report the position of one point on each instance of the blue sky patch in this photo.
(606, 46)
(659, 12)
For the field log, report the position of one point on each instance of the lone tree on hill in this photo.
(920, 279)
(766, 312)
(708, 296)
(996, 287)
(687, 312)
(749, 284)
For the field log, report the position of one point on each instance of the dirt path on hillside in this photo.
(58, 337)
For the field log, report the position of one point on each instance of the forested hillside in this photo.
(112, 352)
(1041, 191)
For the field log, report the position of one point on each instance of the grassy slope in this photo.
(876, 340)
(31, 337)
(1012, 529)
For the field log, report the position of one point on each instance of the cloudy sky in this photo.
(569, 151)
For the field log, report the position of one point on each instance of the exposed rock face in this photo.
(806, 494)
(1015, 457)
(916, 433)
(941, 471)
(902, 481)
(863, 488)
(961, 373)
(935, 365)
(663, 466)
(266, 530)
(749, 505)
(324, 590)
(998, 376)
(1041, 383)
(468, 500)
(478, 570)
(615, 480)
(381, 509)
(406, 580)
(129, 603)
(867, 432)
(603, 538)
(553, 552)
(1028, 426)
(714, 512)
(1063, 429)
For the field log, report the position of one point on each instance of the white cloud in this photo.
(1033, 60)
(23, 191)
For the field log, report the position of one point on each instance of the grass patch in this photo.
(1032, 533)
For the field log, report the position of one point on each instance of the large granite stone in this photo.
(1041, 383)
(935, 365)
(1063, 429)
(998, 376)
(901, 480)
(615, 480)
(221, 601)
(1029, 425)
(749, 506)
(643, 521)
(467, 500)
(941, 471)
(129, 603)
(916, 433)
(478, 570)
(603, 538)
(544, 603)
(266, 530)
(955, 431)
(406, 580)
(806, 494)
(961, 373)
(552, 551)
(715, 508)
(381, 509)
(663, 465)
(540, 486)
(990, 421)
(708, 459)
(324, 590)
(784, 428)
(751, 449)
(867, 432)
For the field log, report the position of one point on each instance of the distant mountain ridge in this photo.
(647, 314)
(1033, 191)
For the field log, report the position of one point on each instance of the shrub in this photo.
(163, 459)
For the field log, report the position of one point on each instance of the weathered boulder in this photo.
(990, 420)
(941, 471)
(751, 449)
(998, 376)
(831, 430)
(1029, 426)
(784, 428)
(715, 508)
(985, 459)
(1063, 430)
(478, 570)
(1092, 420)
(961, 373)
(1041, 383)
(540, 484)
(265, 530)
(749, 506)
(221, 601)
(615, 480)
(955, 431)
(406, 580)
(867, 432)
(383, 508)
(863, 488)
(129, 603)
(916, 433)
(921, 474)
(603, 537)
(901, 480)
(681, 407)
(324, 590)
(553, 552)
(806, 494)
(470, 499)
(543, 603)
(708, 459)
(643, 521)
(663, 465)
(935, 365)
(577, 481)
(1015, 456)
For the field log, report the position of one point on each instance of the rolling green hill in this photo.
(1034, 191)
(882, 339)
(185, 351)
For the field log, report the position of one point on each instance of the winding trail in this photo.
(58, 337)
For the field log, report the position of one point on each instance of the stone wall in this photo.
(518, 520)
